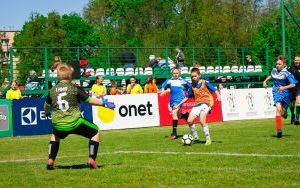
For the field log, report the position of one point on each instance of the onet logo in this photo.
(29, 116)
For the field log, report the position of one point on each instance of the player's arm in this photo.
(181, 103)
(213, 90)
(94, 101)
(164, 86)
(47, 106)
(218, 95)
(266, 80)
(292, 81)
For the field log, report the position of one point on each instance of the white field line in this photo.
(163, 153)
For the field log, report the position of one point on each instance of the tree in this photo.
(51, 31)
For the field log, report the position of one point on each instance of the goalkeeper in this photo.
(66, 118)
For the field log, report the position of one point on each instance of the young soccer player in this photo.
(66, 116)
(178, 86)
(201, 91)
(283, 81)
(295, 70)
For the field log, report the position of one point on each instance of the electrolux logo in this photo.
(29, 116)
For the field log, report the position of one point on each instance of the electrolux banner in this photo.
(5, 118)
(29, 116)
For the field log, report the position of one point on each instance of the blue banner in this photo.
(29, 116)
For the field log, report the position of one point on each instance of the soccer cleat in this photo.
(293, 119)
(92, 163)
(173, 137)
(50, 164)
(195, 136)
(208, 142)
(279, 134)
(296, 122)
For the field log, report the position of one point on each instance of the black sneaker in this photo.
(279, 134)
(296, 122)
(50, 164)
(293, 119)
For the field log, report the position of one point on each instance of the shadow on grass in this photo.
(79, 166)
(203, 142)
(284, 135)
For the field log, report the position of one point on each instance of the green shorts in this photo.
(86, 129)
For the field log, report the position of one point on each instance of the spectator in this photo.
(32, 77)
(197, 64)
(221, 86)
(249, 61)
(133, 87)
(153, 61)
(14, 92)
(5, 84)
(57, 62)
(123, 90)
(179, 58)
(128, 59)
(99, 89)
(113, 90)
(150, 86)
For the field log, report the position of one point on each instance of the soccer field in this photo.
(243, 154)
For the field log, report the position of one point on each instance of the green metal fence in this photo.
(40, 59)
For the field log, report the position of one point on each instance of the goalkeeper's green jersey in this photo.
(65, 99)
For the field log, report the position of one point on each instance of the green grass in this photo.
(22, 159)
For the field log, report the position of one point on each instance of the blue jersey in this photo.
(178, 88)
(282, 78)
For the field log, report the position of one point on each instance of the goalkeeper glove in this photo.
(107, 104)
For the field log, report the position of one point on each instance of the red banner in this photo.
(165, 111)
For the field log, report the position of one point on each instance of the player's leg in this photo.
(190, 120)
(203, 123)
(93, 150)
(297, 107)
(175, 112)
(292, 109)
(278, 119)
(90, 131)
(53, 150)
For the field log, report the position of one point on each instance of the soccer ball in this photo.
(187, 139)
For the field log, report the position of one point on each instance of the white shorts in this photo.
(202, 107)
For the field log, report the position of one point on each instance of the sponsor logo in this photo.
(28, 116)
(231, 101)
(250, 101)
(3, 117)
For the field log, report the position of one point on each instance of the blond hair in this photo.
(65, 72)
